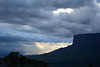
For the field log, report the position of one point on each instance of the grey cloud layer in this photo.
(23, 22)
(36, 16)
(16, 36)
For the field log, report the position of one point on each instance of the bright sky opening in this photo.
(62, 10)
(44, 47)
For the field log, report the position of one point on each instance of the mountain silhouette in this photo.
(84, 52)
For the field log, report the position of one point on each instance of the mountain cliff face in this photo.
(84, 51)
(87, 39)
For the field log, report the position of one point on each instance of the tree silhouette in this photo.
(12, 59)
(15, 59)
(0, 61)
(22, 60)
(90, 65)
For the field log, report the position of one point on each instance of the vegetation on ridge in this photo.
(15, 59)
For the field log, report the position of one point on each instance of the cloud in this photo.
(28, 21)
(7, 47)
(37, 17)
(16, 36)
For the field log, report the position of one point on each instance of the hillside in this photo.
(84, 51)
(15, 59)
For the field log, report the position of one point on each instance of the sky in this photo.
(41, 26)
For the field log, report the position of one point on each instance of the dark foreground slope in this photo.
(15, 59)
(84, 51)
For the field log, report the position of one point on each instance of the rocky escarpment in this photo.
(87, 39)
(84, 51)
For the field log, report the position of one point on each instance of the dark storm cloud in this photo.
(43, 3)
(23, 22)
(16, 11)
(36, 16)
(70, 3)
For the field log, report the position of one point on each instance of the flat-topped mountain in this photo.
(84, 51)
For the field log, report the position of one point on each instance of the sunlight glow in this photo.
(48, 47)
(43, 47)
(39, 45)
(62, 10)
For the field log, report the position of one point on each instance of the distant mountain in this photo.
(84, 51)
